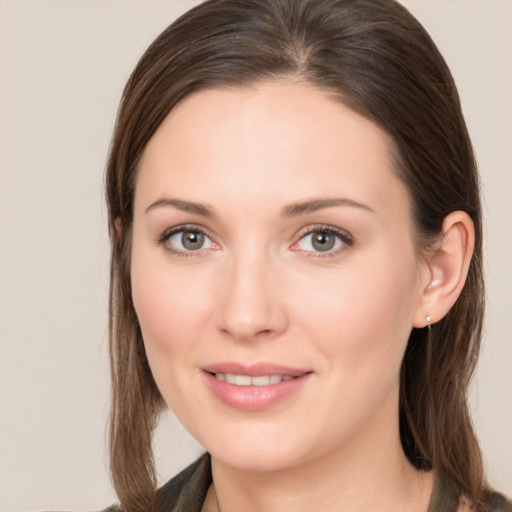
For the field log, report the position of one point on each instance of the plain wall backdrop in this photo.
(63, 64)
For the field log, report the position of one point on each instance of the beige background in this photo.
(62, 67)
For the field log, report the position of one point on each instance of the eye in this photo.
(323, 240)
(186, 240)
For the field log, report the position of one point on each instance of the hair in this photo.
(377, 59)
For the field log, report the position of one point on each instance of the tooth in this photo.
(263, 380)
(247, 380)
(242, 380)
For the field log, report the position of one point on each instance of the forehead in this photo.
(269, 141)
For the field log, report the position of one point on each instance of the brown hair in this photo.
(377, 59)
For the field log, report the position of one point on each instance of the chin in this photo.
(255, 460)
(261, 451)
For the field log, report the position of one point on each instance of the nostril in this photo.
(264, 332)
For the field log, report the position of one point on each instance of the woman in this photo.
(296, 263)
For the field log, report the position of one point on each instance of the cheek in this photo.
(170, 306)
(361, 315)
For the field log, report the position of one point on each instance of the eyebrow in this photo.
(313, 205)
(290, 210)
(185, 206)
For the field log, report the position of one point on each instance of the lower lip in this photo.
(254, 398)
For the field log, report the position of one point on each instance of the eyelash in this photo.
(345, 238)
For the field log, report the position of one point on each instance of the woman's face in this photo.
(274, 274)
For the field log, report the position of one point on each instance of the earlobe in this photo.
(448, 265)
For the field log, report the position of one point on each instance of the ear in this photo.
(447, 269)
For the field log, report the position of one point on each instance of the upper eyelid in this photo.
(302, 231)
(184, 227)
(343, 233)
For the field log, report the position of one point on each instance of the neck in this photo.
(368, 473)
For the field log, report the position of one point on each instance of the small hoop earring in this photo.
(428, 318)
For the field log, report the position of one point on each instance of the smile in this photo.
(255, 387)
(247, 380)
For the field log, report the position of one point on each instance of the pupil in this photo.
(192, 240)
(323, 241)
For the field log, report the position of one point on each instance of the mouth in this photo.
(247, 380)
(256, 387)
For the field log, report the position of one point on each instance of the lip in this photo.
(254, 398)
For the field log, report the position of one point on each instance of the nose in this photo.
(251, 302)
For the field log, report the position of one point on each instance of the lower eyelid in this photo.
(338, 246)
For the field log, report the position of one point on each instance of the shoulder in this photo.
(446, 497)
(186, 491)
(493, 502)
(496, 502)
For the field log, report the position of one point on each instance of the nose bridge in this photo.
(251, 305)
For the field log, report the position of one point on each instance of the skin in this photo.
(259, 291)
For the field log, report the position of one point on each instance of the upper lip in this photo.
(254, 370)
